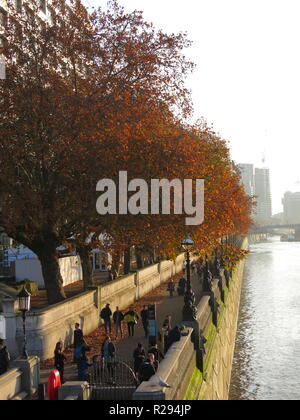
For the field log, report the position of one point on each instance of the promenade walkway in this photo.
(125, 347)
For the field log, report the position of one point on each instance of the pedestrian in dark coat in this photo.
(82, 361)
(106, 314)
(108, 350)
(173, 336)
(181, 286)
(78, 337)
(167, 324)
(145, 319)
(4, 358)
(171, 288)
(157, 353)
(118, 318)
(148, 368)
(139, 356)
(108, 353)
(59, 360)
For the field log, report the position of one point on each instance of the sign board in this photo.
(2, 328)
(152, 324)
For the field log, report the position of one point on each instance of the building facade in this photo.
(291, 207)
(256, 182)
(263, 212)
(247, 176)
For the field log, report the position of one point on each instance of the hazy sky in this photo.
(247, 80)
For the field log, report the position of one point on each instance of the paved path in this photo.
(167, 306)
(125, 347)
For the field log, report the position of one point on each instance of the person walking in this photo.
(148, 368)
(157, 353)
(167, 324)
(108, 353)
(118, 318)
(78, 337)
(173, 336)
(139, 356)
(131, 318)
(4, 358)
(82, 360)
(145, 319)
(181, 286)
(171, 288)
(59, 360)
(106, 314)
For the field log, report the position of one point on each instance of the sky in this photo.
(247, 80)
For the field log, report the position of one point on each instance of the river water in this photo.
(267, 355)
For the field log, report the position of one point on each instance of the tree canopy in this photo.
(87, 96)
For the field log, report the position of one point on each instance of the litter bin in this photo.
(53, 385)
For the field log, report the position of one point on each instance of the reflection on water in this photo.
(267, 355)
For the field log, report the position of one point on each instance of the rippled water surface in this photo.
(267, 356)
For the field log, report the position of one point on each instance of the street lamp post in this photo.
(217, 265)
(24, 306)
(189, 309)
(207, 283)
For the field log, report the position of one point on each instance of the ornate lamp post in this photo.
(189, 309)
(207, 283)
(24, 306)
(217, 265)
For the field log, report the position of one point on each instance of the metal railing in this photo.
(112, 380)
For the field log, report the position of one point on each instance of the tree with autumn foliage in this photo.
(85, 97)
(75, 89)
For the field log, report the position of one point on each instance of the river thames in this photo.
(267, 355)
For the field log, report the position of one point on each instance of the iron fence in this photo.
(112, 380)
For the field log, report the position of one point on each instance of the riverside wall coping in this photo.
(171, 370)
(180, 361)
(10, 384)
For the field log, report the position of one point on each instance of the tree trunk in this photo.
(87, 268)
(139, 259)
(116, 264)
(127, 261)
(52, 276)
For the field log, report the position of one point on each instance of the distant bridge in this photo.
(269, 228)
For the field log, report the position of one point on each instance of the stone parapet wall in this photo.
(219, 366)
(21, 380)
(55, 323)
(10, 384)
(179, 368)
(214, 383)
(46, 327)
(120, 292)
(175, 370)
(147, 279)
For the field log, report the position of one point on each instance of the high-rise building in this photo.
(247, 175)
(263, 211)
(291, 207)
